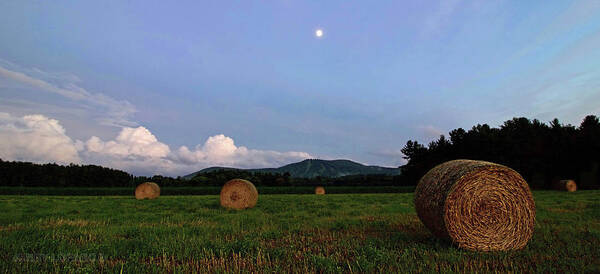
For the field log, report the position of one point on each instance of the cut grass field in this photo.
(291, 233)
(195, 190)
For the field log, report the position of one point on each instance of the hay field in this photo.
(298, 233)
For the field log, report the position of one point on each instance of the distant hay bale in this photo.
(147, 190)
(320, 190)
(239, 194)
(477, 205)
(566, 185)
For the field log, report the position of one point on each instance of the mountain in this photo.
(314, 167)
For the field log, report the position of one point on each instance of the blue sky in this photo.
(157, 87)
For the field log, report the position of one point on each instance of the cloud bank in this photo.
(40, 139)
(35, 138)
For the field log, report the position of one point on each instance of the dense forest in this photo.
(540, 152)
(29, 174)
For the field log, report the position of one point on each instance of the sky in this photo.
(158, 87)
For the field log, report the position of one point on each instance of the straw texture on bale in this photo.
(477, 205)
(566, 185)
(320, 190)
(239, 194)
(147, 190)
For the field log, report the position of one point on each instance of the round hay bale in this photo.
(320, 190)
(477, 205)
(566, 185)
(147, 190)
(239, 194)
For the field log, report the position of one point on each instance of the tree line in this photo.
(541, 153)
(26, 174)
(218, 177)
(53, 175)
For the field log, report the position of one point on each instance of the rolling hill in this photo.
(311, 168)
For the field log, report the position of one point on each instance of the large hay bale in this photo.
(477, 205)
(239, 194)
(566, 185)
(320, 190)
(147, 190)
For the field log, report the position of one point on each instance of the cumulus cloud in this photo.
(40, 139)
(114, 112)
(35, 138)
(221, 150)
(139, 151)
(131, 142)
(135, 150)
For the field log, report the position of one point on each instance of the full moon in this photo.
(319, 33)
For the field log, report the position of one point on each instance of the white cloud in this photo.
(137, 150)
(134, 150)
(40, 139)
(131, 142)
(115, 112)
(35, 138)
(221, 150)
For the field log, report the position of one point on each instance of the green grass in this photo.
(194, 190)
(284, 233)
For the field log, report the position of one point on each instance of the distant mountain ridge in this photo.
(311, 168)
